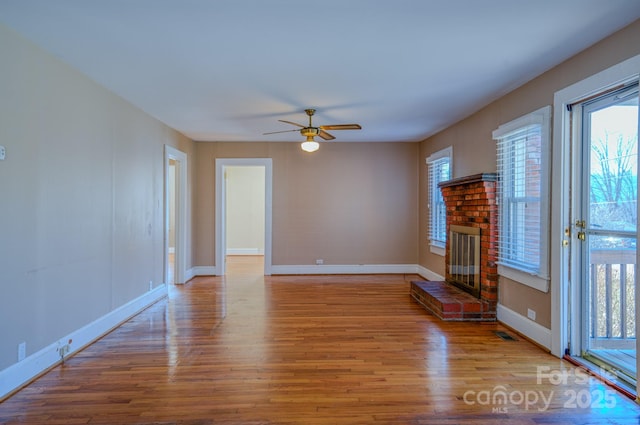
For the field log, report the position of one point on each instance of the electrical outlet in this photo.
(63, 350)
(22, 351)
(3, 153)
(319, 261)
(531, 314)
(150, 285)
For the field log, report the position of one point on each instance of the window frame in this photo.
(535, 277)
(437, 246)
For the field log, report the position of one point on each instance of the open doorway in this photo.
(243, 222)
(245, 210)
(175, 189)
(171, 225)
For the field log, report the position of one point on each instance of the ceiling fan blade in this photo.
(341, 127)
(325, 135)
(275, 132)
(292, 123)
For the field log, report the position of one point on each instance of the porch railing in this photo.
(612, 279)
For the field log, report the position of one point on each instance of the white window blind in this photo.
(439, 170)
(522, 163)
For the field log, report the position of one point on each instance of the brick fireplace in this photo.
(471, 204)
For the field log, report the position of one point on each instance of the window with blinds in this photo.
(523, 192)
(439, 170)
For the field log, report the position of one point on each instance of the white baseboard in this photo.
(200, 271)
(428, 274)
(19, 374)
(245, 251)
(345, 269)
(331, 269)
(525, 326)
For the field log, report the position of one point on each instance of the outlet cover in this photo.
(22, 351)
(3, 153)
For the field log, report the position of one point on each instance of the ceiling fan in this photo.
(310, 131)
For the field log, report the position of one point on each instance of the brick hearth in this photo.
(450, 303)
(470, 201)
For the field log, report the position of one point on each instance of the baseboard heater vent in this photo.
(505, 336)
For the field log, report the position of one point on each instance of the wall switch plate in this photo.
(3, 153)
(531, 314)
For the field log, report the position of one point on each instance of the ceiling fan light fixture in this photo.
(310, 145)
(310, 131)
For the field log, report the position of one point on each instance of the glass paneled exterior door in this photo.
(606, 225)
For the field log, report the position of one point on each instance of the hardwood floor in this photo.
(250, 349)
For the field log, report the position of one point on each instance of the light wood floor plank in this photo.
(249, 349)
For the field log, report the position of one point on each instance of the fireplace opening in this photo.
(464, 258)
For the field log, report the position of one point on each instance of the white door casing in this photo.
(220, 210)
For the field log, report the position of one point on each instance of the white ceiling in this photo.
(227, 70)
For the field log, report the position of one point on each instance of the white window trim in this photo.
(540, 280)
(528, 279)
(435, 247)
(446, 152)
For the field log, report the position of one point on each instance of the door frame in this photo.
(221, 207)
(180, 255)
(562, 256)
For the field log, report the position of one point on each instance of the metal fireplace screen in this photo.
(464, 258)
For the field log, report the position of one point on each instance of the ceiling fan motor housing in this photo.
(310, 131)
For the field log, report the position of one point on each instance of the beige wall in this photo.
(346, 203)
(81, 215)
(474, 151)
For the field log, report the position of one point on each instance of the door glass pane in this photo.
(611, 188)
(614, 171)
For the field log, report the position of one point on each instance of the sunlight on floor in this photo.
(245, 265)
